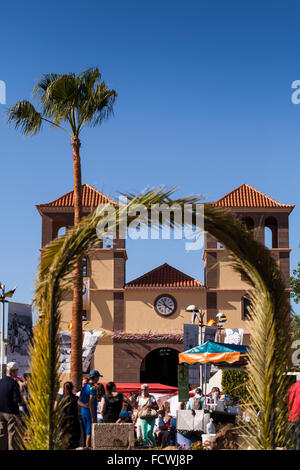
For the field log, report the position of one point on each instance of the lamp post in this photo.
(196, 311)
(3, 297)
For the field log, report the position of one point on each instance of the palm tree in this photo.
(270, 354)
(75, 101)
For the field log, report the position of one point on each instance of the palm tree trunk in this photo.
(76, 335)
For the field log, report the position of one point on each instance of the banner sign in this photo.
(90, 341)
(234, 336)
(19, 334)
(210, 333)
(86, 293)
(88, 348)
(183, 382)
(64, 352)
(190, 340)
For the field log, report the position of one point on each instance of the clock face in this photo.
(165, 305)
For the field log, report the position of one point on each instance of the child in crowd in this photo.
(125, 417)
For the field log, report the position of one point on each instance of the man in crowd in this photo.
(10, 399)
(197, 402)
(88, 403)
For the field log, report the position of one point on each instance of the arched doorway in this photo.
(160, 366)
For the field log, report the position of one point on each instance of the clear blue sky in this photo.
(204, 104)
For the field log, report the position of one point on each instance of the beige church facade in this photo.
(157, 301)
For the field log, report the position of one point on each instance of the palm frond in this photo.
(270, 326)
(60, 99)
(270, 329)
(43, 84)
(96, 99)
(25, 117)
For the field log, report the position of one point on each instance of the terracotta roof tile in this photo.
(91, 197)
(164, 276)
(247, 196)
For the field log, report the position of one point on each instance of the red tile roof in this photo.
(247, 196)
(91, 197)
(164, 276)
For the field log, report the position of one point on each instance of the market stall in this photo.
(217, 409)
(155, 389)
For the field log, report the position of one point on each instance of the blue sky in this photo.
(204, 103)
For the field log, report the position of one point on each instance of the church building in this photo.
(156, 301)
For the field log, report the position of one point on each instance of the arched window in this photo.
(248, 223)
(108, 243)
(59, 226)
(246, 306)
(271, 232)
(61, 231)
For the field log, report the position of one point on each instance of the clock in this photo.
(165, 305)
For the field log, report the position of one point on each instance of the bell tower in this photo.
(269, 222)
(104, 267)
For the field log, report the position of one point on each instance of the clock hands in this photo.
(165, 305)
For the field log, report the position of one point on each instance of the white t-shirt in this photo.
(141, 401)
(99, 415)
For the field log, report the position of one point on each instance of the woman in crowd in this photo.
(25, 393)
(161, 429)
(100, 395)
(135, 418)
(147, 406)
(71, 418)
(111, 403)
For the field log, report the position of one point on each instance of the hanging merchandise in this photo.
(210, 428)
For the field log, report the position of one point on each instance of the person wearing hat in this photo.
(10, 400)
(88, 402)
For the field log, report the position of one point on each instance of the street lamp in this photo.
(195, 311)
(3, 296)
(221, 320)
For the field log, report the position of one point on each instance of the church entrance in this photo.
(160, 366)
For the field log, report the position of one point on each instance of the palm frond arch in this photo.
(270, 325)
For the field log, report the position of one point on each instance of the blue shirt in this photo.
(89, 390)
(189, 406)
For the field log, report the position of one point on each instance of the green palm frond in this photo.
(43, 84)
(25, 117)
(96, 99)
(270, 326)
(270, 329)
(60, 99)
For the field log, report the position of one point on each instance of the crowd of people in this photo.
(154, 419)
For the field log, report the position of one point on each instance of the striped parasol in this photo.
(214, 353)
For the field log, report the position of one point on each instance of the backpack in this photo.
(197, 404)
